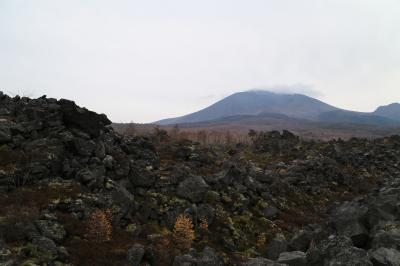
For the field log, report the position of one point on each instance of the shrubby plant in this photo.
(183, 233)
(100, 227)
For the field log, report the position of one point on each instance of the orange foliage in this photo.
(100, 227)
(183, 233)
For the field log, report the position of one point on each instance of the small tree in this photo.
(165, 249)
(202, 137)
(159, 135)
(100, 227)
(261, 240)
(203, 224)
(175, 132)
(130, 130)
(252, 134)
(183, 232)
(228, 138)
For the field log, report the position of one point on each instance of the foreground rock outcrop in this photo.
(64, 171)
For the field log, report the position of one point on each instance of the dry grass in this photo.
(16, 218)
(88, 252)
(36, 197)
(22, 206)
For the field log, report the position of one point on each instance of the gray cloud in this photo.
(308, 90)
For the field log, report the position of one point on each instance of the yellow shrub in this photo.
(100, 227)
(183, 232)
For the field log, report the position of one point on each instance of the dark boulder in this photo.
(276, 246)
(337, 250)
(385, 257)
(193, 189)
(83, 119)
(185, 260)
(51, 229)
(301, 240)
(206, 212)
(135, 254)
(349, 219)
(46, 245)
(207, 258)
(261, 262)
(141, 175)
(86, 176)
(84, 147)
(5, 135)
(293, 258)
(387, 237)
(270, 212)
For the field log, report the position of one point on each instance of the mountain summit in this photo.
(255, 103)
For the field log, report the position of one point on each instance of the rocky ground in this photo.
(280, 201)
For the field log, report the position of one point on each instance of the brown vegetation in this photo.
(15, 219)
(89, 253)
(222, 133)
(165, 248)
(100, 227)
(36, 197)
(22, 206)
(183, 232)
(203, 224)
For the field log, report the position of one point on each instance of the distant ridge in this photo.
(350, 117)
(391, 111)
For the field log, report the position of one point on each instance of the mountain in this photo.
(254, 103)
(260, 107)
(391, 111)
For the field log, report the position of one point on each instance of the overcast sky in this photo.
(146, 60)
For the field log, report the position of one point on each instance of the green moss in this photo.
(17, 250)
(30, 262)
(229, 221)
(3, 220)
(115, 209)
(131, 228)
(244, 219)
(226, 199)
(250, 252)
(175, 201)
(109, 184)
(76, 238)
(238, 204)
(42, 256)
(261, 204)
(211, 197)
